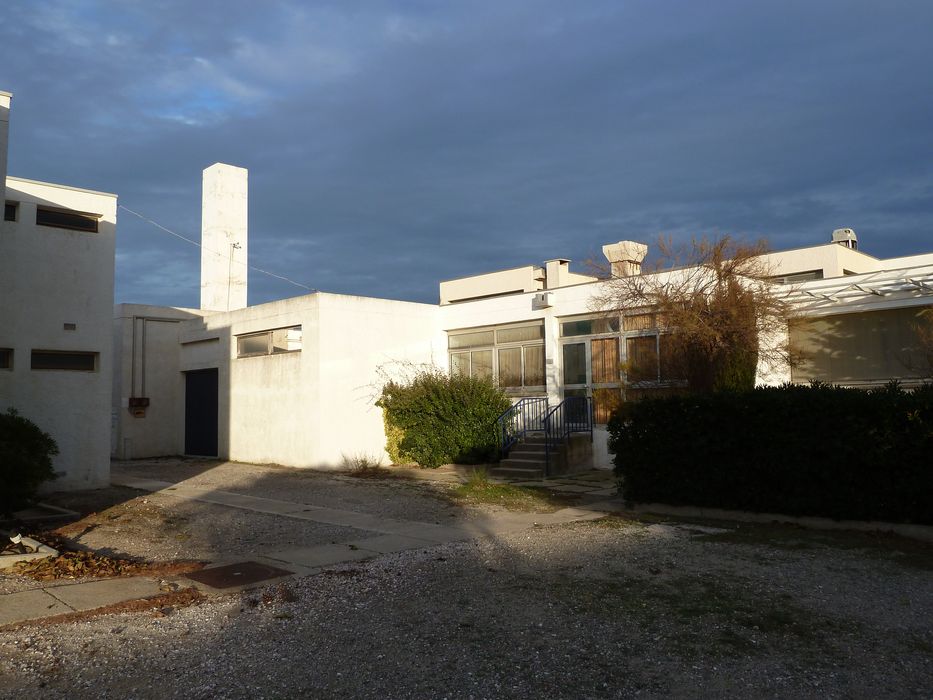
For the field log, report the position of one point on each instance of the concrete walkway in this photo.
(378, 535)
(64, 598)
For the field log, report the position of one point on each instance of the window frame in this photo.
(270, 350)
(94, 356)
(92, 219)
(496, 346)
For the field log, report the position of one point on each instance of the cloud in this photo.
(394, 144)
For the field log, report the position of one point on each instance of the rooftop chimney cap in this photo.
(625, 251)
(846, 237)
(625, 257)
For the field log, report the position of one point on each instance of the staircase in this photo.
(527, 459)
(538, 442)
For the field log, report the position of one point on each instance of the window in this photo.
(589, 326)
(10, 210)
(64, 218)
(6, 358)
(273, 342)
(642, 353)
(470, 340)
(796, 277)
(514, 355)
(64, 360)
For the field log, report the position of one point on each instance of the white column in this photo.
(5, 98)
(223, 237)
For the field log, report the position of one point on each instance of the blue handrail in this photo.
(572, 415)
(523, 417)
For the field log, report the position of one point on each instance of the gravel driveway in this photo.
(613, 608)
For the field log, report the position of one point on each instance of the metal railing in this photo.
(523, 417)
(572, 415)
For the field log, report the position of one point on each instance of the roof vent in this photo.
(846, 237)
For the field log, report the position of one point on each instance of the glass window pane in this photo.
(510, 367)
(590, 326)
(606, 324)
(257, 344)
(460, 364)
(572, 328)
(515, 335)
(470, 340)
(640, 322)
(642, 358)
(75, 361)
(605, 360)
(574, 363)
(66, 219)
(482, 364)
(286, 339)
(671, 363)
(534, 365)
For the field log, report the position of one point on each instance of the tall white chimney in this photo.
(5, 99)
(625, 257)
(224, 198)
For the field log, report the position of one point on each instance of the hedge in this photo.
(814, 450)
(25, 461)
(437, 419)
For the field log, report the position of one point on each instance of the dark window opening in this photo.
(6, 358)
(10, 210)
(74, 361)
(59, 218)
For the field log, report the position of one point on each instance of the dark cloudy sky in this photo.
(394, 144)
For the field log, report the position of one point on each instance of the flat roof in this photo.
(60, 187)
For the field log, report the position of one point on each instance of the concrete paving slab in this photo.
(386, 544)
(433, 533)
(30, 605)
(322, 555)
(97, 594)
(571, 488)
(614, 491)
(141, 484)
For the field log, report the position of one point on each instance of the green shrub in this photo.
(436, 419)
(799, 450)
(394, 437)
(25, 460)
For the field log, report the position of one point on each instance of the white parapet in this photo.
(224, 207)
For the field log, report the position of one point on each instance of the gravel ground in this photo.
(605, 609)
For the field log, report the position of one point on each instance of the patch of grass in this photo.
(364, 466)
(913, 554)
(479, 490)
(714, 618)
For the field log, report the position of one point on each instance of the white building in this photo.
(290, 382)
(56, 301)
(293, 381)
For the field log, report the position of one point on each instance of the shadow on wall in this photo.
(861, 348)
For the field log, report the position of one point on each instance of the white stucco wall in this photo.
(358, 337)
(147, 364)
(313, 407)
(50, 277)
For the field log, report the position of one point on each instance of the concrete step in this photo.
(528, 462)
(529, 451)
(509, 472)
